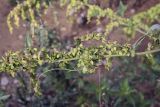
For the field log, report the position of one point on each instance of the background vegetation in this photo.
(54, 73)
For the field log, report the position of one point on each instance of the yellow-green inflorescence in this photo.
(85, 58)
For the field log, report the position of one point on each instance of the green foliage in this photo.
(128, 25)
(28, 41)
(125, 91)
(29, 8)
(26, 10)
(86, 57)
(121, 9)
(42, 38)
(3, 98)
(63, 70)
(64, 89)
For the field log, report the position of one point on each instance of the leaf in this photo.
(117, 102)
(84, 69)
(5, 97)
(132, 101)
(125, 88)
(28, 41)
(121, 9)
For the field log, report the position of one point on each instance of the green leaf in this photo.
(125, 88)
(28, 41)
(118, 101)
(5, 97)
(121, 9)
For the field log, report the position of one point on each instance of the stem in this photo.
(54, 70)
(137, 53)
(138, 42)
(99, 74)
(71, 59)
(140, 31)
(116, 55)
(147, 52)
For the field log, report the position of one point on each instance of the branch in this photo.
(148, 52)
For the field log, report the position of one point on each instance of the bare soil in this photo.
(8, 41)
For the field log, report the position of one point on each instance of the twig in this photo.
(99, 85)
(54, 70)
(147, 52)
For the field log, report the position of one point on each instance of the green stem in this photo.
(70, 59)
(116, 55)
(140, 31)
(148, 52)
(137, 53)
